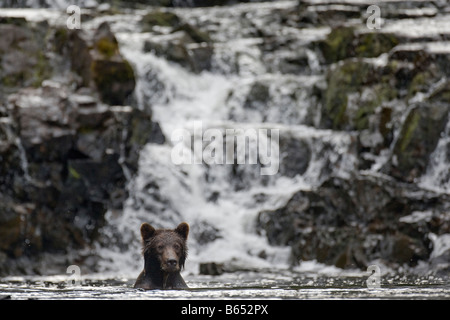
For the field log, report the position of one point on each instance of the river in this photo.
(263, 284)
(222, 202)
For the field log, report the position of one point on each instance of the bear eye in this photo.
(176, 246)
(160, 247)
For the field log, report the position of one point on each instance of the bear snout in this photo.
(171, 265)
(170, 262)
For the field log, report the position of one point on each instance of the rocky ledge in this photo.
(69, 143)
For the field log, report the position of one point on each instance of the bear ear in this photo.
(183, 230)
(147, 231)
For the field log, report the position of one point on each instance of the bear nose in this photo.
(172, 262)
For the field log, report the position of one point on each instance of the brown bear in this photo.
(165, 253)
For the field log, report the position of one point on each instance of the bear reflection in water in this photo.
(165, 253)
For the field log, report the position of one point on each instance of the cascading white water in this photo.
(437, 176)
(221, 202)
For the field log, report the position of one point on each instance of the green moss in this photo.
(85, 130)
(10, 233)
(30, 65)
(337, 45)
(60, 39)
(74, 173)
(374, 44)
(419, 83)
(17, 21)
(114, 80)
(32, 76)
(107, 47)
(344, 79)
(408, 129)
(354, 76)
(13, 80)
(41, 71)
(343, 42)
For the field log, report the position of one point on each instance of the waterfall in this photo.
(221, 201)
(250, 98)
(437, 176)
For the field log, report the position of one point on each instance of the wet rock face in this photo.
(417, 140)
(67, 148)
(186, 45)
(350, 222)
(344, 42)
(22, 54)
(393, 94)
(101, 65)
(75, 154)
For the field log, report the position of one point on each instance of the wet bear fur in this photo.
(165, 252)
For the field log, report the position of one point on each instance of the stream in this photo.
(263, 284)
(245, 85)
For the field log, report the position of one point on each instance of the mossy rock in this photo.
(373, 44)
(419, 83)
(101, 66)
(258, 96)
(23, 60)
(338, 44)
(17, 21)
(60, 39)
(417, 139)
(105, 42)
(382, 92)
(159, 18)
(441, 94)
(115, 81)
(355, 76)
(346, 78)
(194, 33)
(107, 47)
(10, 233)
(344, 42)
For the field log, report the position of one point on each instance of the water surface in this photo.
(282, 284)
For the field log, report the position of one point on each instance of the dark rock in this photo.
(211, 268)
(338, 46)
(195, 54)
(23, 61)
(194, 33)
(417, 139)
(101, 66)
(311, 13)
(205, 233)
(66, 160)
(200, 56)
(295, 155)
(348, 77)
(114, 80)
(349, 223)
(346, 42)
(257, 96)
(159, 18)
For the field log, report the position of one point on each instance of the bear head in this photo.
(164, 249)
